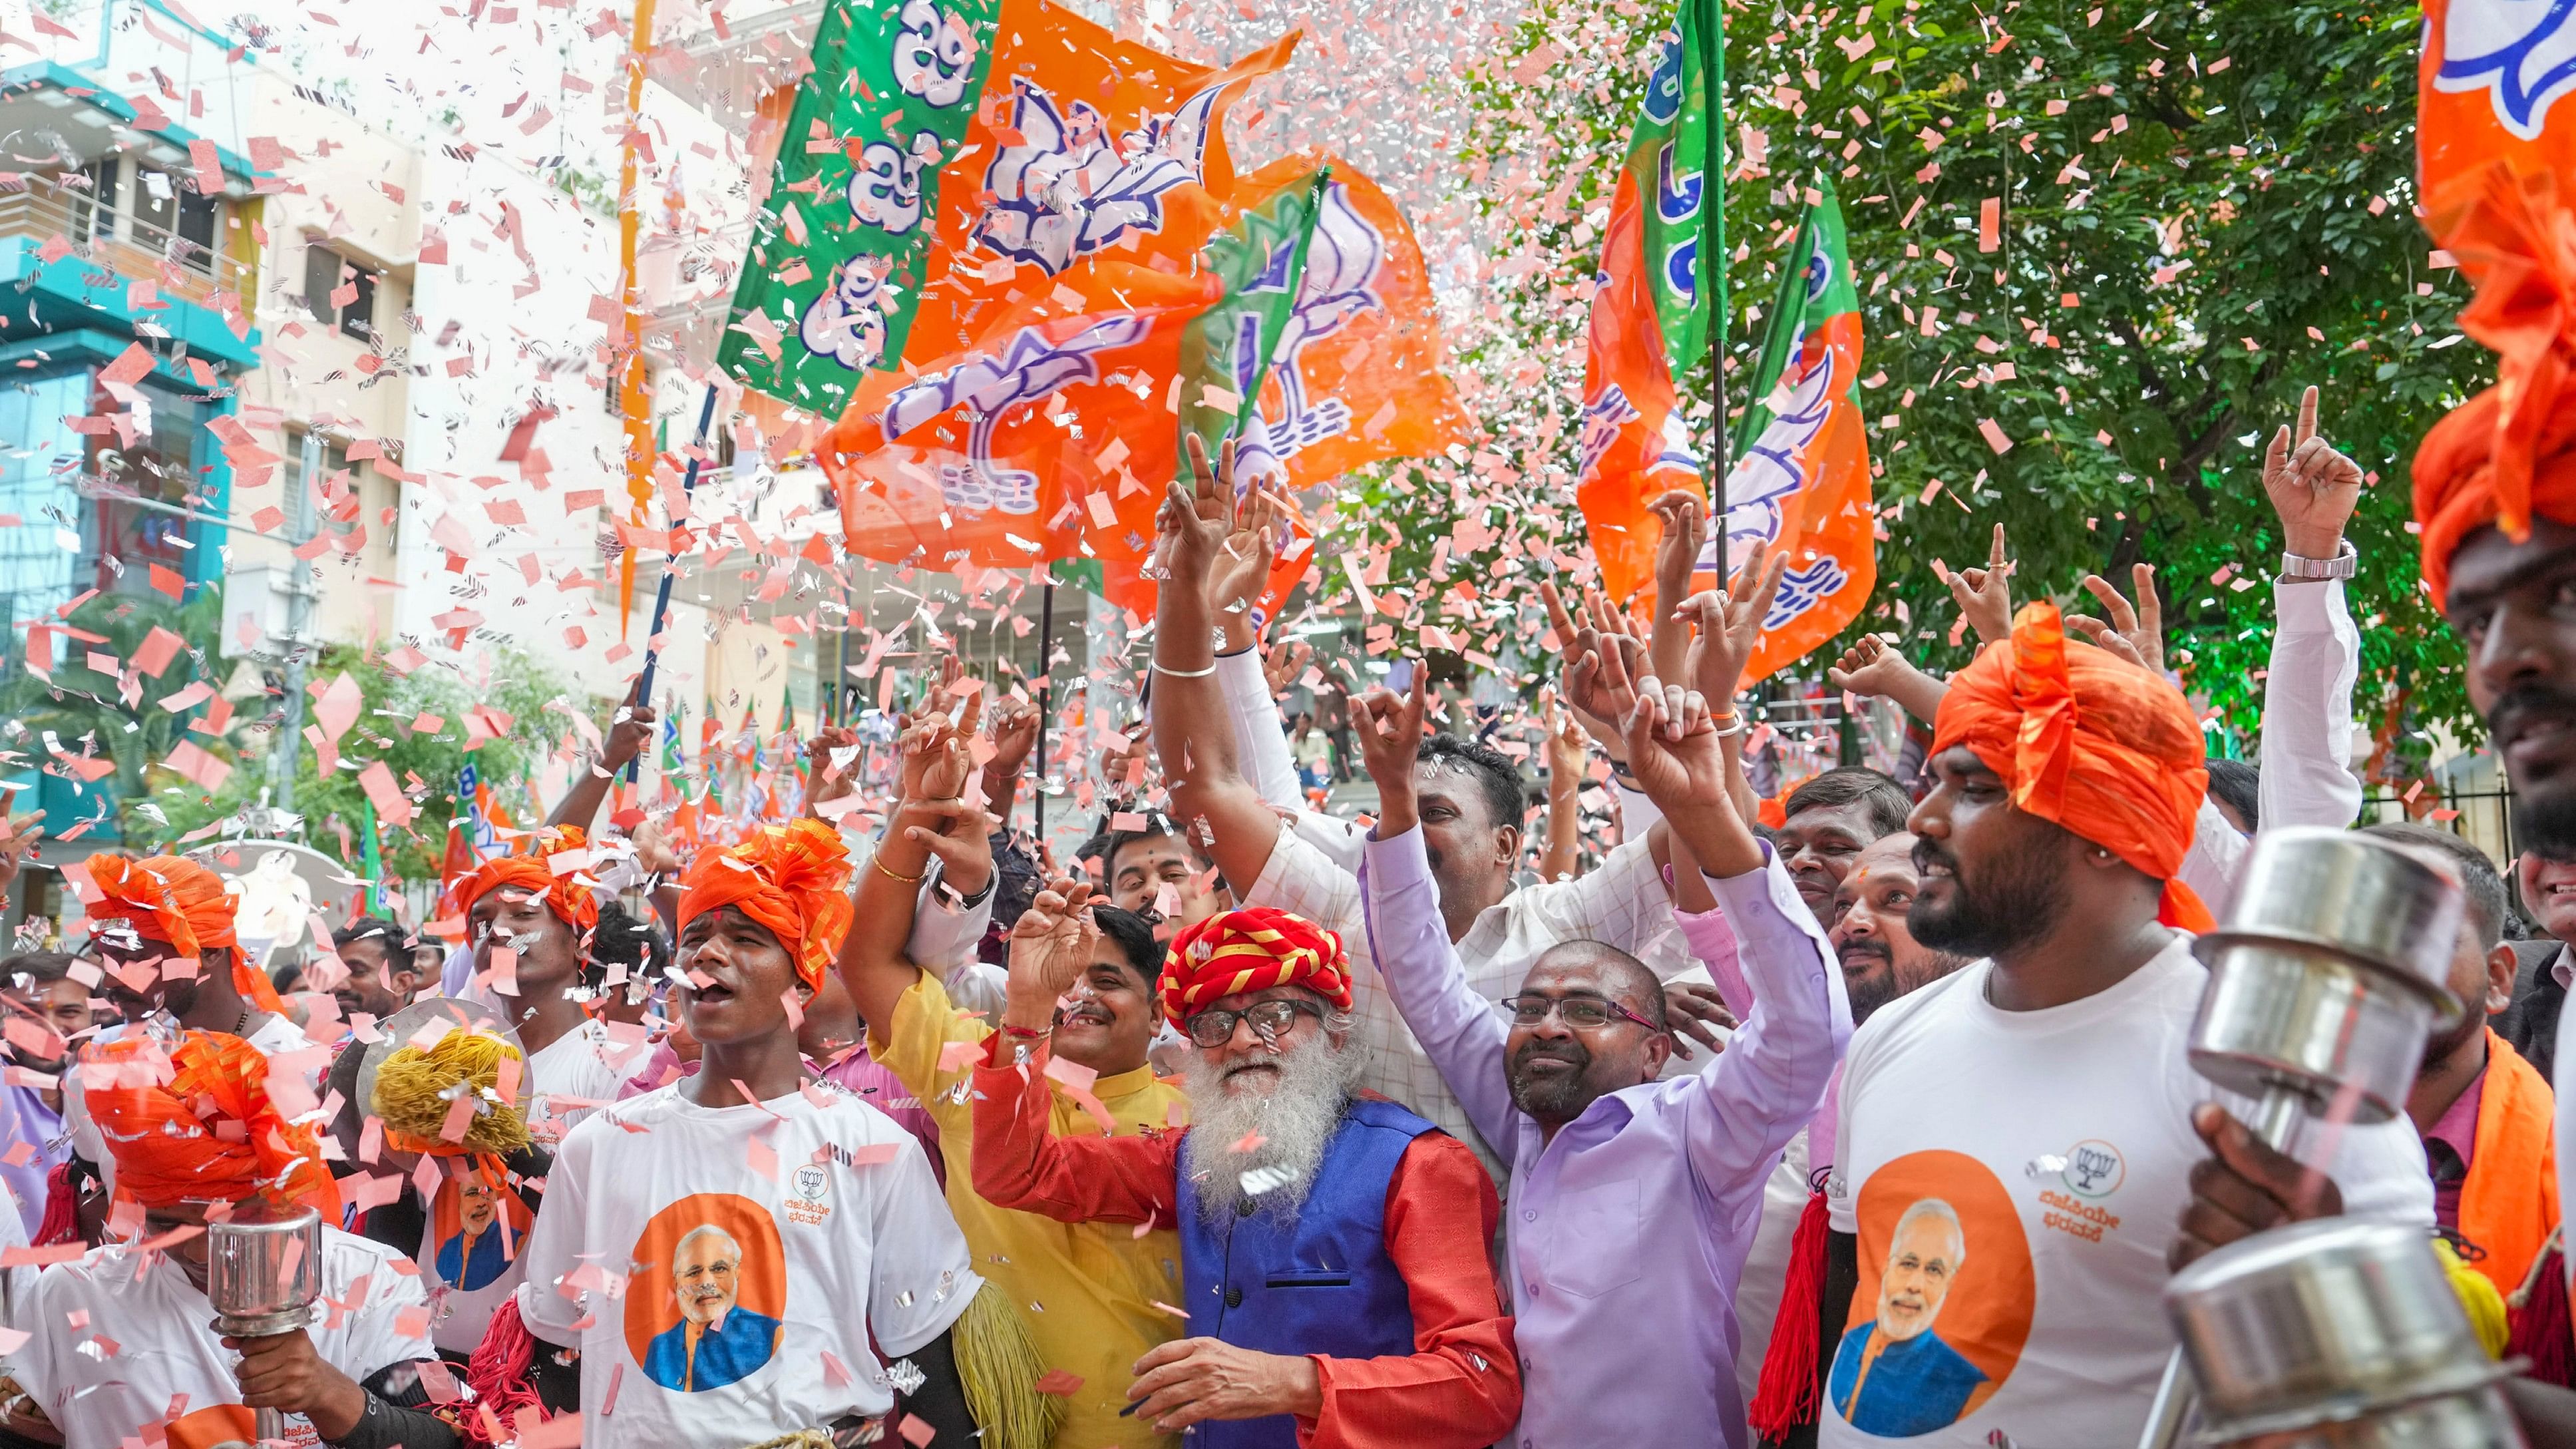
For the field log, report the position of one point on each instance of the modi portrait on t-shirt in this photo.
(714, 1320)
(471, 1250)
(1944, 1299)
(1894, 1375)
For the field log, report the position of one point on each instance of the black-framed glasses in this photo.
(1583, 1013)
(1269, 1019)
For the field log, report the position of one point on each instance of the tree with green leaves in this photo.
(2101, 248)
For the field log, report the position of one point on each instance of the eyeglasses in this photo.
(1269, 1019)
(1583, 1013)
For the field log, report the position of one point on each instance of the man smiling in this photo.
(716, 1341)
(1893, 1375)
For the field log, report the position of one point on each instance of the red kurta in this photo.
(1462, 1383)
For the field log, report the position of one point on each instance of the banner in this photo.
(945, 154)
(1801, 476)
(1650, 317)
(2488, 88)
(1078, 398)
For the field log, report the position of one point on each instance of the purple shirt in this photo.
(2457, 1129)
(24, 1118)
(1627, 1232)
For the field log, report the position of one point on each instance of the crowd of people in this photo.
(1262, 1125)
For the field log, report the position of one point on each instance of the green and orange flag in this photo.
(1801, 475)
(1650, 313)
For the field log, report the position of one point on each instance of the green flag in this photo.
(837, 258)
(1261, 259)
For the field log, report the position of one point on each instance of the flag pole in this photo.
(1046, 697)
(671, 567)
(1712, 15)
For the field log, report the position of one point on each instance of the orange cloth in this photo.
(792, 878)
(180, 904)
(576, 905)
(1251, 949)
(2509, 1204)
(2090, 741)
(2509, 453)
(194, 1123)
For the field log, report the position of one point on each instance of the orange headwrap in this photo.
(2089, 741)
(2509, 453)
(792, 878)
(575, 904)
(195, 1124)
(180, 904)
(1251, 949)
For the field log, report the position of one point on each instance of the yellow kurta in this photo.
(1087, 1290)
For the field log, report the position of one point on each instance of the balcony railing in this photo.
(42, 208)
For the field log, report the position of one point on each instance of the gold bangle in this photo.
(879, 862)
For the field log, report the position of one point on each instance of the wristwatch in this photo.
(2342, 566)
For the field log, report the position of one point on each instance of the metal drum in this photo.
(263, 1268)
(2328, 974)
(2335, 1333)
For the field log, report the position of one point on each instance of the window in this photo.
(171, 217)
(340, 292)
(94, 200)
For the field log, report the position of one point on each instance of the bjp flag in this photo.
(1067, 416)
(2492, 75)
(1650, 317)
(943, 155)
(1801, 476)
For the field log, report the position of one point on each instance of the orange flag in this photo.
(2492, 76)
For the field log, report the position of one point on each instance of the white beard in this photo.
(1289, 1129)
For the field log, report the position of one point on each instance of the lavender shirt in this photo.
(24, 1118)
(1628, 1231)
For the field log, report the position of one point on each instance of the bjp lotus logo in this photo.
(846, 321)
(2522, 52)
(1071, 188)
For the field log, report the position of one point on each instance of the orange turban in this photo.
(194, 1123)
(576, 905)
(181, 904)
(2089, 741)
(1251, 949)
(792, 878)
(2509, 453)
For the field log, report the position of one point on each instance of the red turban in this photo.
(2509, 453)
(792, 878)
(180, 904)
(576, 905)
(194, 1123)
(1251, 949)
(2089, 741)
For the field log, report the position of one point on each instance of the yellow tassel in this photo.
(414, 1093)
(1000, 1369)
(2484, 1305)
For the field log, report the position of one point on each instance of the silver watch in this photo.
(2343, 565)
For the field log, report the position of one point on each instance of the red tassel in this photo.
(1785, 1396)
(500, 1375)
(2542, 1329)
(62, 1210)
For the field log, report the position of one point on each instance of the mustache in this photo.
(1929, 853)
(1572, 1053)
(2527, 703)
(1870, 946)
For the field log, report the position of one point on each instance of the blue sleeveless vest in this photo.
(1323, 1286)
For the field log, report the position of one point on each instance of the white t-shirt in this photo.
(473, 1237)
(166, 1351)
(805, 1221)
(2045, 1157)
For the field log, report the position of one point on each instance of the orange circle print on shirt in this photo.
(709, 1292)
(1944, 1302)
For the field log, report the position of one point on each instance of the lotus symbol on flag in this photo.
(1342, 261)
(1603, 417)
(2523, 52)
(1776, 464)
(845, 322)
(1070, 189)
(1029, 365)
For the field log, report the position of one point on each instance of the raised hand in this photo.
(1679, 759)
(828, 757)
(2313, 488)
(1685, 534)
(1390, 734)
(1871, 667)
(935, 759)
(630, 730)
(1242, 567)
(1051, 945)
(2135, 634)
(962, 839)
(1984, 595)
(1567, 754)
(1015, 733)
(1286, 661)
(18, 839)
(1730, 626)
(1194, 522)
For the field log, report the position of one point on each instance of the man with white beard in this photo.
(1332, 1242)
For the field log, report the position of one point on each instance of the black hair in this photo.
(287, 977)
(2490, 908)
(1888, 804)
(634, 941)
(1498, 780)
(1135, 940)
(36, 968)
(2238, 786)
(1159, 828)
(376, 928)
